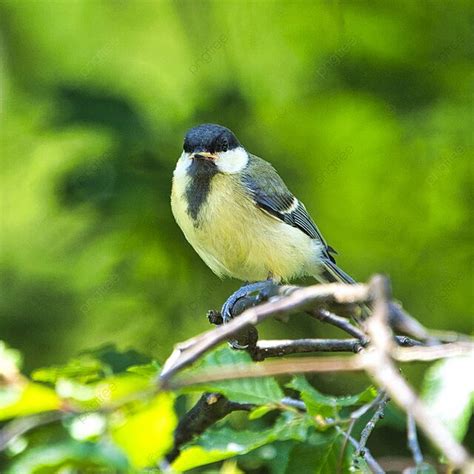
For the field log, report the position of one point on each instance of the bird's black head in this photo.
(210, 138)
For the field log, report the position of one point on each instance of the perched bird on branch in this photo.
(240, 217)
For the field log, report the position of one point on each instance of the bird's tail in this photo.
(332, 273)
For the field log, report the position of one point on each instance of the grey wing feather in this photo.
(271, 195)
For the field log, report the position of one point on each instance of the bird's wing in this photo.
(273, 197)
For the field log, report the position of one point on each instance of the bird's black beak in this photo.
(204, 155)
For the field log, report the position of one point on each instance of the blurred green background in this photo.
(365, 108)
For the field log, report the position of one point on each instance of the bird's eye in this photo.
(225, 144)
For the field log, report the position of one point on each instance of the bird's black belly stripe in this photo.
(201, 172)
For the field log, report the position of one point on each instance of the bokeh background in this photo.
(365, 108)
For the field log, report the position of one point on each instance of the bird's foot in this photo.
(249, 295)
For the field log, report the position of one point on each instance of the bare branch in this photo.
(279, 348)
(189, 351)
(270, 368)
(326, 316)
(380, 366)
(366, 455)
(429, 353)
(209, 409)
(412, 438)
(369, 427)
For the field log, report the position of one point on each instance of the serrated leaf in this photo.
(50, 458)
(448, 392)
(325, 405)
(146, 435)
(260, 391)
(218, 443)
(27, 399)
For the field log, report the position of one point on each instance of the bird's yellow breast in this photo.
(235, 238)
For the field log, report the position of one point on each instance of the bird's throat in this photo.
(200, 172)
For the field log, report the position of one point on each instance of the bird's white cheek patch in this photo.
(232, 161)
(182, 165)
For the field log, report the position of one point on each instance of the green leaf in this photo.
(146, 435)
(71, 454)
(94, 396)
(260, 411)
(27, 399)
(92, 365)
(118, 361)
(325, 405)
(448, 392)
(252, 390)
(150, 370)
(277, 464)
(220, 443)
(85, 369)
(321, 454)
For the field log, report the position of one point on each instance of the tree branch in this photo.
(278, 348)
(380, 366)
(412, 439)
(369, 427)
(189, 351)
(209, 409)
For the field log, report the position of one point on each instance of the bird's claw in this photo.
(245, 297)
(262, 290)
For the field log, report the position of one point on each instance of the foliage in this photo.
(448, 392)
(116, 421)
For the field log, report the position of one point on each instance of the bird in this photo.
(240, 217)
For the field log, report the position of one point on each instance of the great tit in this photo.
(240, 217)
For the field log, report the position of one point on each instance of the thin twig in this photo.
(380, 366)
(412, 438)
(366, 455)
(326, 316)
(371, 462)
(401, 321)
(429, 353)
(369, 427)
(189, 351)
(356, 414)
(282, 347)
(266, 369)
(299, 365)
